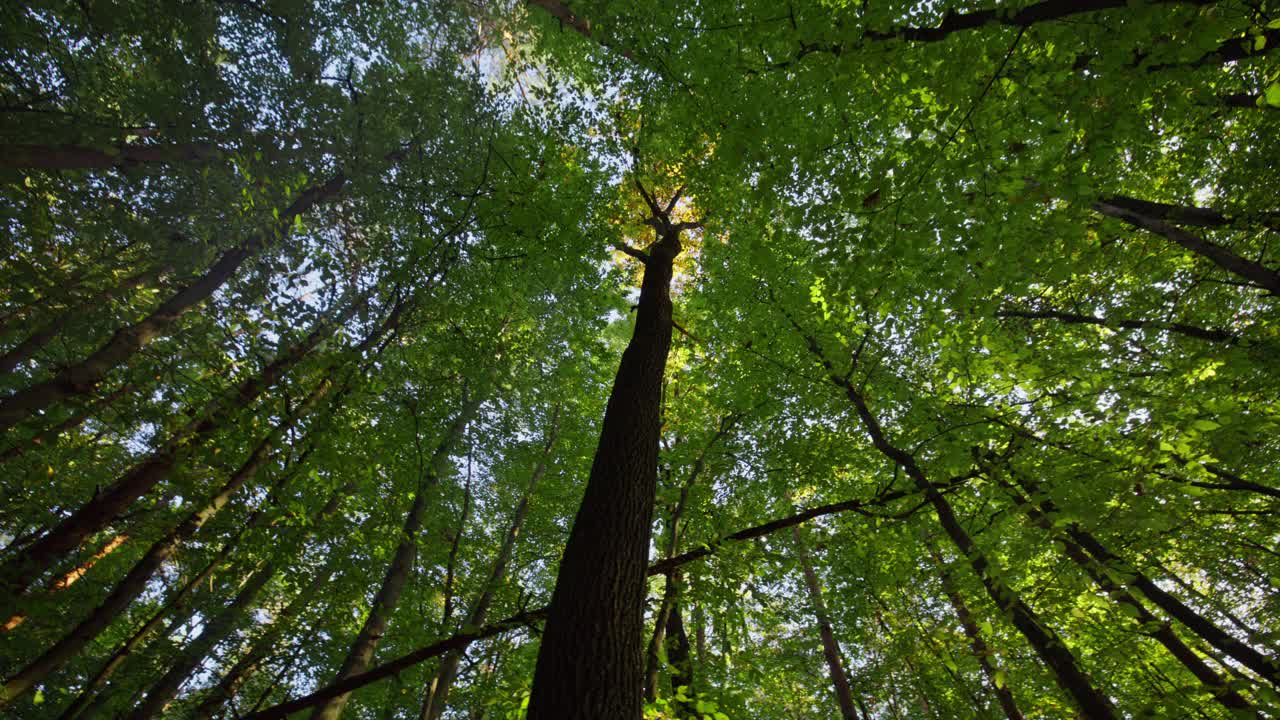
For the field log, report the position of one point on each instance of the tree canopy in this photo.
(588, 359)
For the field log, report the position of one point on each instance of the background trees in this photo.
(308, 300)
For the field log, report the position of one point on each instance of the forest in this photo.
(594, 359)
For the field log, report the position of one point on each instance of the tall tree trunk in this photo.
(217, 628)
(1254, 272)
(70, 577)
(660, 620)
(384, 604)
(1268, 668)
(81, 378)
(830, 648)
(589, 663)
(36, 341)
(1148, 623)
(135, 582)
(438, 700)
(79, 157)
(176, 601)
(679, 659)
(981, 651)
(1044, 640)
(23, 568)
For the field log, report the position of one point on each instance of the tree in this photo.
(982, 296)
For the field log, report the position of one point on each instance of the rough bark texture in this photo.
(590, 663)
(384, 604)
(439, 699)
(83, 377)
(1148, 624)
(23, 568)
(830, 648)
(1254, 272)
(1047, 644)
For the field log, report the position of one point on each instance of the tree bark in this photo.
(81, 378)
(589, 663)
(830, 648)
(1254, 272)
(445, 676)
(1148, 624)
(980, 649)
(1047, 644)
(20, 571)
(384, 604)
(679, 659)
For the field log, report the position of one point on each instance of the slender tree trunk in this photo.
(589, 663)
(51, 434)
(438, 699)
(177, 600)
(244, 668)
(78, 157)
(217, 628)
(81, 378)
(36, 341)
(384, 604)
(1268, 668)
(660, 620)
(830, 648)
(981, 651)
(678, 656)
(23, 568)
(1148, 624)
(135, 582)
(70, 577)
(1254, 272)
(1044, 640)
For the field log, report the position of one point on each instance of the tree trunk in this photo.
(1254, 272)
(679, 659)
(21, 570)
(589, 663)
(384, 604)
(81, 378)
(1116, 566)
(830, 648)
(135, 582)
(980, 649)
(177, 600)
(79, 157)
(438, 700)
(1047, 644)
(1148, 624)
(36, 341)
(70, 577)
(221, 625)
